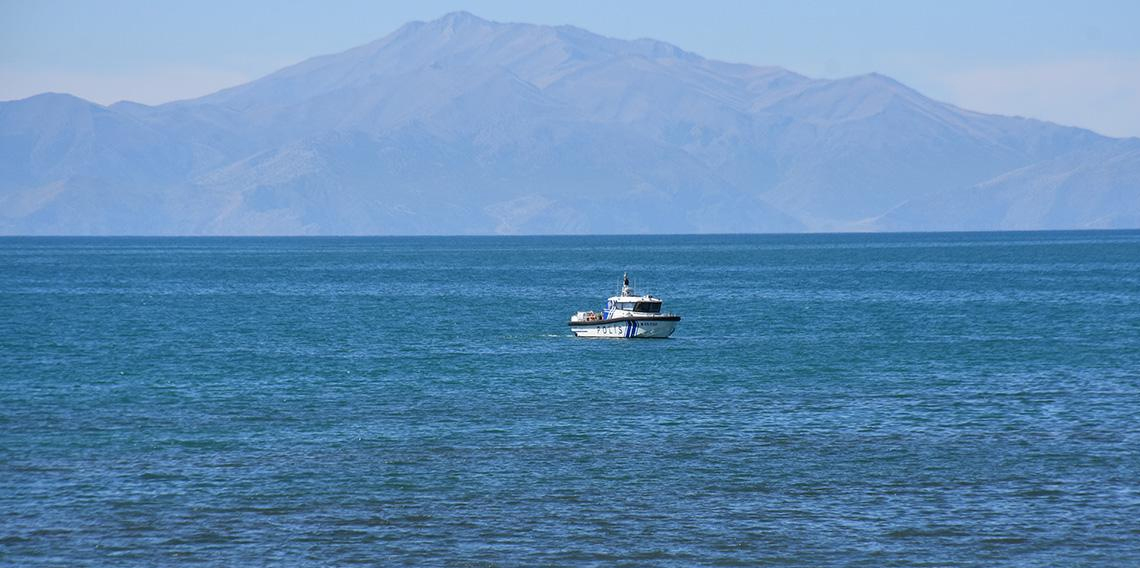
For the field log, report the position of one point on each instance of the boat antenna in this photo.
(625, 289)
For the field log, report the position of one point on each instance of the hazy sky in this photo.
(1075, 63)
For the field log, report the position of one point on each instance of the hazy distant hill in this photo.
(461, 125)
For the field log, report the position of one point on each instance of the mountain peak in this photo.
(460, 16)
(54, 98)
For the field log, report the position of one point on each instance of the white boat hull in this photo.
(627, 328)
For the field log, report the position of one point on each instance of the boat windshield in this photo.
(650, 307)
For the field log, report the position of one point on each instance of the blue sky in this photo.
(1075, 63)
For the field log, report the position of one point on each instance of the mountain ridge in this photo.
(461, 125)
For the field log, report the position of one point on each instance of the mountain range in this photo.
(467, 126)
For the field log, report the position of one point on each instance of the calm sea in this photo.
(828, 400)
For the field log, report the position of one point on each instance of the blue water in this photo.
(828, 400)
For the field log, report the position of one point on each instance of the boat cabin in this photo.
(644, 304)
